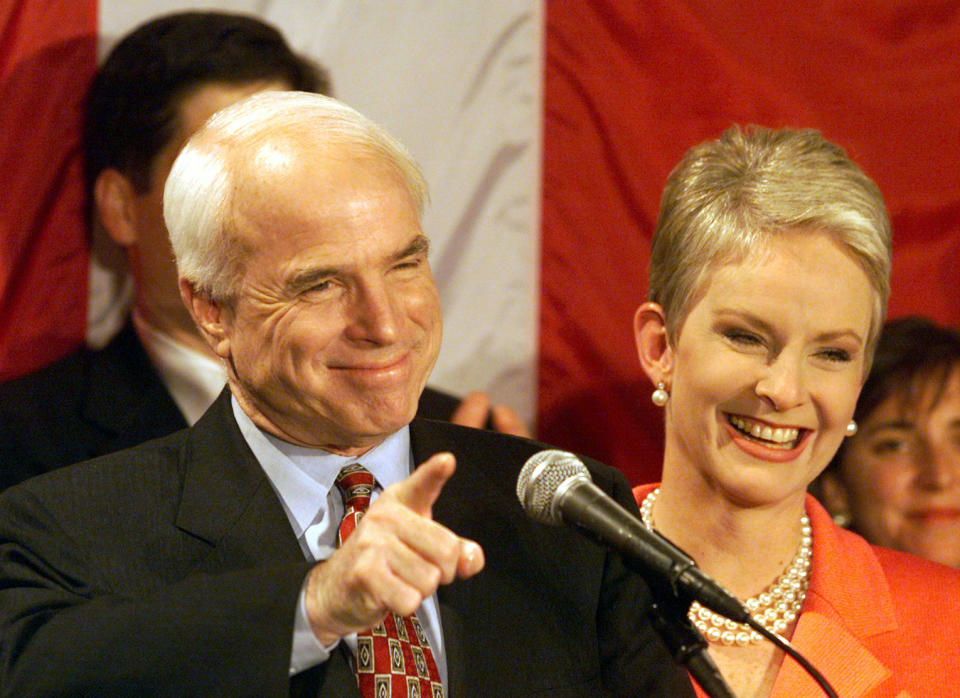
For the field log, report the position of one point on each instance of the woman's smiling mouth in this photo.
(781, 438)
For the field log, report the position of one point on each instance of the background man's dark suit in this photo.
(96, 402)
(171, 569)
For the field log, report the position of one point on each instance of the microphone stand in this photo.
(668, 615)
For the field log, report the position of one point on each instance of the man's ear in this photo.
(211, 318)
(653, 346)
(114, 196)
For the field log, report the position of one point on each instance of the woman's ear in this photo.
(653, 345)
(114, 194)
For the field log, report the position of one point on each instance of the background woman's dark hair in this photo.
(132, 104)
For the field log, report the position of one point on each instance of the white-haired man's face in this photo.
(337, 323)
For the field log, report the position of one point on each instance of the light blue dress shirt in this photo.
(303, 479)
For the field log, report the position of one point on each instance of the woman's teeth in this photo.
(775, 437)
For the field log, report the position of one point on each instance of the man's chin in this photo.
(380, 421)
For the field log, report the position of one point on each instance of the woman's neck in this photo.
(744, 549)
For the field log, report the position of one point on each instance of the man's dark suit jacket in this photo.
(96, 402)
(171, 569)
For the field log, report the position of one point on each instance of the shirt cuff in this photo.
(307, 651)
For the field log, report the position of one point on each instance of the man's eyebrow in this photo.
(308, 277)
(419, 245)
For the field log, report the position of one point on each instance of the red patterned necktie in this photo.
(394, 656)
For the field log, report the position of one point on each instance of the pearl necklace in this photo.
(775, 609)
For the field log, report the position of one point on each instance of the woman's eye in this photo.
(838, 355)
(888, 446)
(742, 337)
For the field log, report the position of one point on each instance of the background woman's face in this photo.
(901, 473)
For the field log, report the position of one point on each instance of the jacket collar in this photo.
(427, 438)
(848, 601)
(228, 503)
(123, 392)
(225, 488)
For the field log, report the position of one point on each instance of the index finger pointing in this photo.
(419, 491)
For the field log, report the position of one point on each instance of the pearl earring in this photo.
(660, 395)
(851, 428)
(842, 519)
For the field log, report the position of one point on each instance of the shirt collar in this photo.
(302, 477)
(193, 378)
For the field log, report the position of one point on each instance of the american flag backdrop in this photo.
(546, 131)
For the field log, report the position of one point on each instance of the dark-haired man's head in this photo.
(157, 86)
(133, 104)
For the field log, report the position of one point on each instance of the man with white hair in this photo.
(156, 375)
(243, 556)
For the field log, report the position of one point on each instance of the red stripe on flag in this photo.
(47, 56)
(630, 86)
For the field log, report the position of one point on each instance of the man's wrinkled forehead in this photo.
(291, 190)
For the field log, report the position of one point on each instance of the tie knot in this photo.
(356, 485)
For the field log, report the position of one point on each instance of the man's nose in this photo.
(374, 314)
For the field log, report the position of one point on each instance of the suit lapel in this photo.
(229, 503)
(850, 667)
(453, 647)
(424, 442)
(227, 499)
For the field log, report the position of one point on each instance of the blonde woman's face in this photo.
(767, 367)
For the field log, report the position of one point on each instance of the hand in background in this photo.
(475, 409)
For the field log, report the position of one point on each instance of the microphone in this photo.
(555, 487)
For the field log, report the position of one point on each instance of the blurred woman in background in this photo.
(897, 482)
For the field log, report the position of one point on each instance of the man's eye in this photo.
(408, 264)
(317, 288)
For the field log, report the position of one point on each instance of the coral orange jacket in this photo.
(876, 623)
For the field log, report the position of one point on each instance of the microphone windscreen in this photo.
(539, 479)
